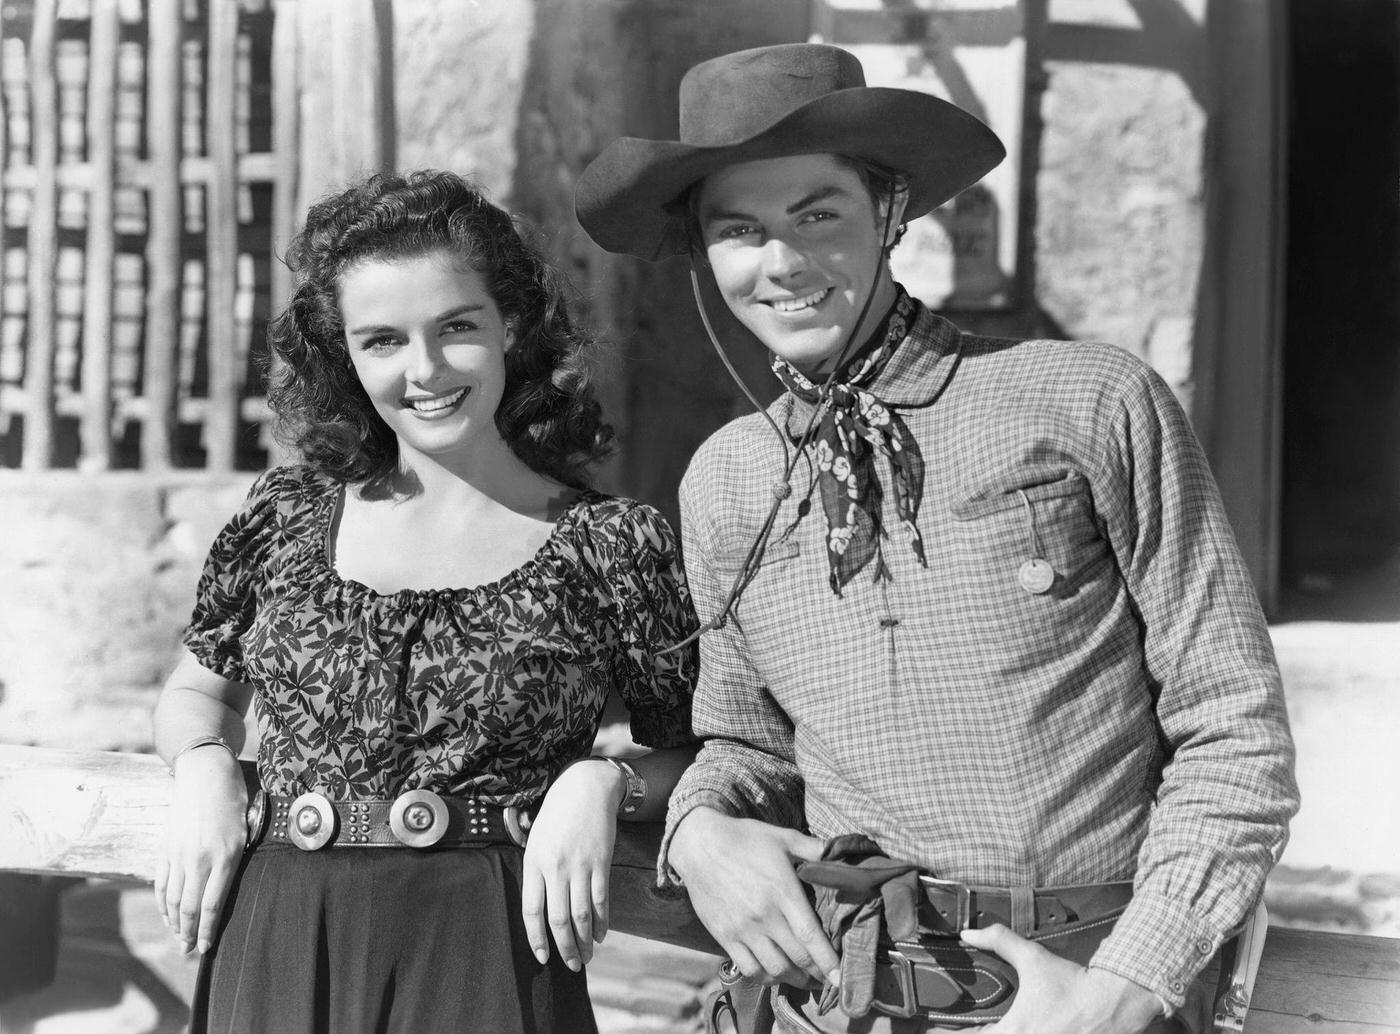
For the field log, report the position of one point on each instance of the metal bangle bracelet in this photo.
(201, 741)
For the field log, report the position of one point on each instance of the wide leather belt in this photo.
(416, 818)
(944, 980)
(948, 907)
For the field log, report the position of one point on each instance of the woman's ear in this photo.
(510, 335)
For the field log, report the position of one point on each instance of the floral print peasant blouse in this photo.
(485, 692)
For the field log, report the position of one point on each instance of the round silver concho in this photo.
(418, 818)
(1036, 576)
(311, 821)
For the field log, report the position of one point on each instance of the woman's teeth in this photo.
(434, 404)
(797, 304)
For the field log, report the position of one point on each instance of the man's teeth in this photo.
(796, 304)
(441, 402)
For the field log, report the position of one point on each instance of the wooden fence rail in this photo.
(148, 170)
(102, 814)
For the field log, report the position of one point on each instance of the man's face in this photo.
(795, 247)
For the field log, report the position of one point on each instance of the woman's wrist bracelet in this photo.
(634, 788)
(201, 741)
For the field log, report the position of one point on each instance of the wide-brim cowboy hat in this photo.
(772, 102)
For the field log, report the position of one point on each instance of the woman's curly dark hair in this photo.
(548, 413)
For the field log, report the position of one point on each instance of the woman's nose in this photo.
(426, 361)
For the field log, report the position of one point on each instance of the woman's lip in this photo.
(448, 399)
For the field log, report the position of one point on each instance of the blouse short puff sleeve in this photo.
(227, 594)
(652, 612)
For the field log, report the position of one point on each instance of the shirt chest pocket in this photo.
(1041, 538)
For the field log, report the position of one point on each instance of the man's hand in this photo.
(742, 884)
(1062, 997)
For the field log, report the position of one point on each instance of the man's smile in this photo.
(807, 301)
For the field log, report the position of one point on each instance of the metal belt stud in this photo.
(419, 818)
(311, 822)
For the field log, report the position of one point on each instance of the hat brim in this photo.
(622, 198)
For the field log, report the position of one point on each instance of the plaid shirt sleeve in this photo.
(1227, 790)
(746, 766)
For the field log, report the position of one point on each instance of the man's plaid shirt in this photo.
(1128, 723)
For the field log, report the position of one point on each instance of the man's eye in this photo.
(818, 217)
(737, 230)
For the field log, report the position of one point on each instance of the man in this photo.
(989, 611)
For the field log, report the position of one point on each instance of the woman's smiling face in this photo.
(428, 344)
(795, 246)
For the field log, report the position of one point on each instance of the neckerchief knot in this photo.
(854, 425)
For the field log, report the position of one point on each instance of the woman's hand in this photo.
(205, 834)
(568, 860)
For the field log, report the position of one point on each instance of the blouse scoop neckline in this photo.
(321, 551)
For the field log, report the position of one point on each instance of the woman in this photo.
(427, 617)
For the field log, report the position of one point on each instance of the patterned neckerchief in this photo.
(853, 425)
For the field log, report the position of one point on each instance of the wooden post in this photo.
(101, 238)
(43, 242)
(163, 272)
(221, 237)
(1239, 341)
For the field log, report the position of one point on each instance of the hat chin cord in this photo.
(782, 488)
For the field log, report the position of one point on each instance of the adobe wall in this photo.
(98, 573)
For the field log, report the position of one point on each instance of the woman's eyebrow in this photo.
(459, 310)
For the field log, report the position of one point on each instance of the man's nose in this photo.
(781, 259)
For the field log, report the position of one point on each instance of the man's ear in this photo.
(896, 204)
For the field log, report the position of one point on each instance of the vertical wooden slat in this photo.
(163, 242)
(286, 132)
(101, 238)
(286, 146)
(221, 236)
(5, 315)
(43, 241)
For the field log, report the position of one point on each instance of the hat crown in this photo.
(734, 97)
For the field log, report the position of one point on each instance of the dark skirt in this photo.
(382, 941)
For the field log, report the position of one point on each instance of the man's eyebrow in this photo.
(460, 310)
(807, 200)
(820, 194)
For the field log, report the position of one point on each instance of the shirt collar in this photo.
(915, 376)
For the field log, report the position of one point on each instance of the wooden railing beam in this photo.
(87, 813)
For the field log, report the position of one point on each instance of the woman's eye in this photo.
(379, 345)
(458, 327)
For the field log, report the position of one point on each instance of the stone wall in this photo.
(98, 577)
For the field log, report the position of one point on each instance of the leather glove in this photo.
(856, 887)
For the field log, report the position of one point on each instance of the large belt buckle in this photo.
(255, 818)
(418, 818)
(311, 821)
(517, 824)
(961, 919)
(903, 969)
